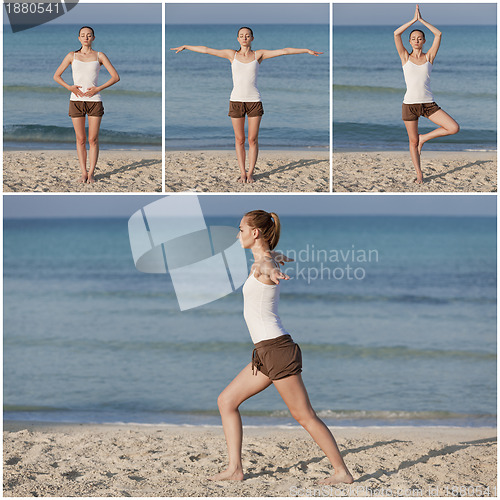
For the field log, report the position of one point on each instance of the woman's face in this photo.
(246, 235)
(417, 40)
(245, 37)
(86, 37)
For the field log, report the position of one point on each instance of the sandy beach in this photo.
(393, 171)
(58, 171)
(139, 460)
(276, 171)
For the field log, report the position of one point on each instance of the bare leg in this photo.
(81, 142)
(447, 126)
(294, 394)
(245, 385)
(253, 144)
(239, 143)
(412, 129)
(94, 124)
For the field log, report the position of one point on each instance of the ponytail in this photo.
(267, 223)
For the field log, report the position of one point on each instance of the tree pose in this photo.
(418, 100)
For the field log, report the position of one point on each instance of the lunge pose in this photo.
(276, 359)
(245, 98)
(418, 100)
(85, 97)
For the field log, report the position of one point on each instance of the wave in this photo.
(57, 90)
(356, 136)
(400, 91)
(341, 350)
(54, 134)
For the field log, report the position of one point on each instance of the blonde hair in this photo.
(268, 223)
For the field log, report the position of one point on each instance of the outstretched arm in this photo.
(268, 54)
(403, 53)
(201, 49)
(432, 52)
(269, 268)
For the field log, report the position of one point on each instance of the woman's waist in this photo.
(282, 340)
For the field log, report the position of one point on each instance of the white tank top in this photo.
(245, 81)
(85, 74)
(261, 310)
(418, 83)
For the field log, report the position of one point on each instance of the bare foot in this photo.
(228, 475)
(250, 179)
(242, 179)
(420, 143)
(83, 178)
(90, 179)
(339, 477)
(418, 180)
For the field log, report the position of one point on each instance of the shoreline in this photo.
(138, 460)
(393, 171)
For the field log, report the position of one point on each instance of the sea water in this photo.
(36, 107)
(396, 318)
(369, 87)
(295, 89)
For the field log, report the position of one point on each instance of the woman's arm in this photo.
(60, 70)
(269, 269)
(403, 53)
(260, 55)
(201, 49)
(115, 78)
(432, 52)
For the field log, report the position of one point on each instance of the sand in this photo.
(58, 171)
(393, 171)
(134, 460)
(276, 171)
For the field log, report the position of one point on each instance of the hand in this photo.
(76, 90)
(279, 258)
(313, 52)
(276, 275)
(91, 92)
(417, 16)
(179, 49)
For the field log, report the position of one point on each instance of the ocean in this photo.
(294, 89)
(369, 87)
(395, 315)
(36, 107)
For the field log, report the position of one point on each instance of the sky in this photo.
(247, 13)
(396, 14)
(35, 206)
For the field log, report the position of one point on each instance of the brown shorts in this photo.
(411, 112)
(77, 109)
(240, 109)
(277, 358)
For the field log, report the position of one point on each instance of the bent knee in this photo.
(226, 402)
(305, 417)
(454, 129)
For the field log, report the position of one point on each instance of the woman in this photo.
(245, 98)
(85, 97)
(276, 359)
(418, 100)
